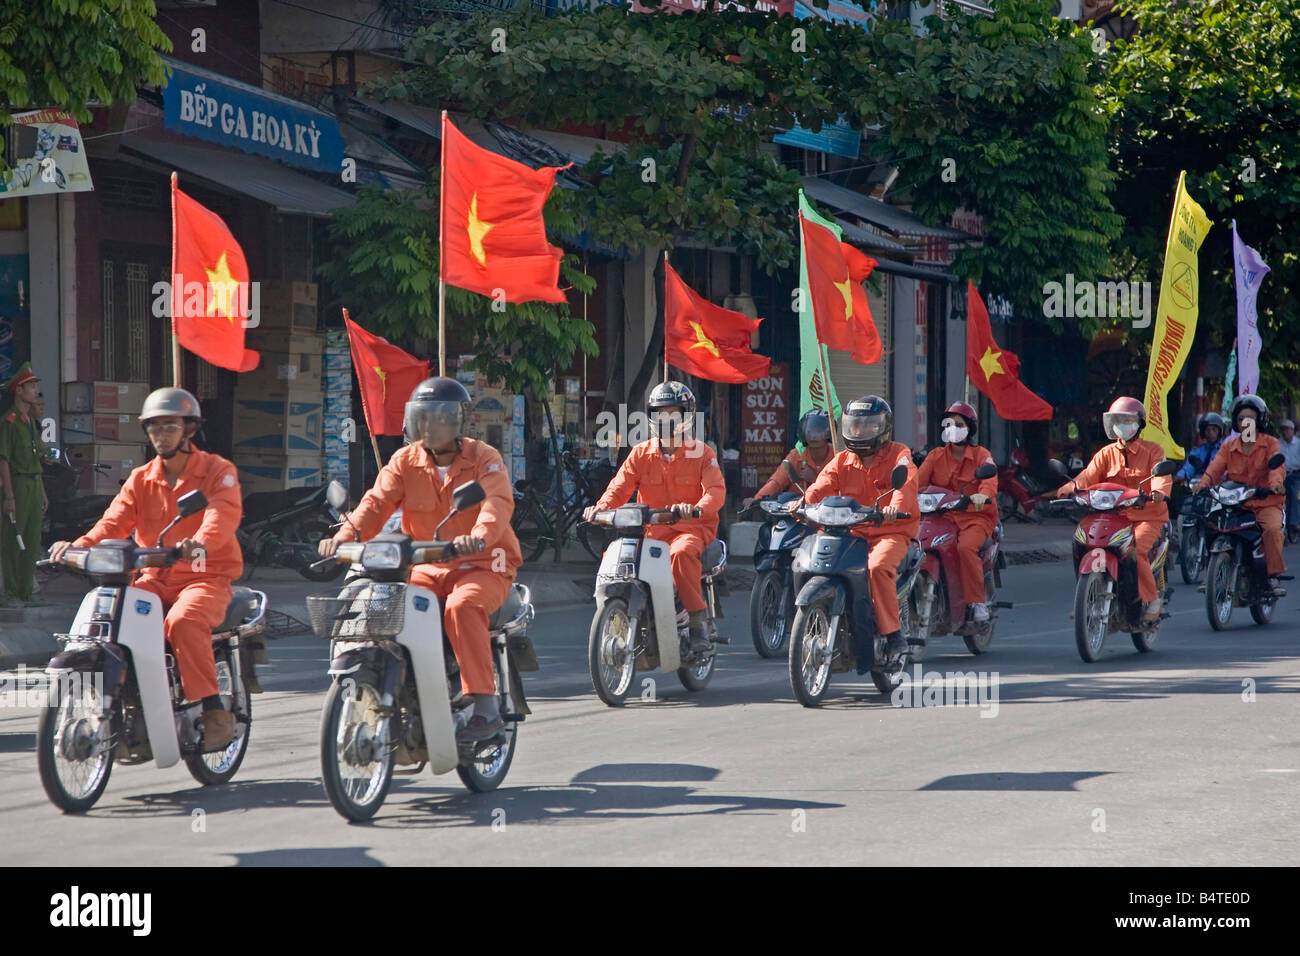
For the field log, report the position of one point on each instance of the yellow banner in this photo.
(1175, 314)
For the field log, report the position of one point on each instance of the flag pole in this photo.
(176, 342)
(665, 298)
(442, 286)
(826, 394)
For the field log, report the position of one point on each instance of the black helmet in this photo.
(673, 395)
(815, 425)
(1249, 401)
(436, 411)
(867, 423)
(1211, 418)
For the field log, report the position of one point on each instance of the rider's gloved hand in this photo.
(979, 501)
(889, 512)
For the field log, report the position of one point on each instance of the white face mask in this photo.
(1126, 430)
(955, 434)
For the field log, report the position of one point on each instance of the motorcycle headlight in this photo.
(382, 556)
(1104, 500)
(929, 503)
(106, 561)
(629, 518)
(1232, 496)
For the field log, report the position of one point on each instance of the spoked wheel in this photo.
(767, 622)
(74, 745)
(1091, 615)
(923, 608)
(355, 769)
(696, 677)
(491, 761)
(1262, 611)
(811, 649)
(220, 767)
(1220, 584)
(981, 642)
(611, 652)
(530, 528)
(1190, 555)
(888, 678)
(594, 538)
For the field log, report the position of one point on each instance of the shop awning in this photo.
(857, 236)
(897, 221)
(925, 273)
(252, 176)
(422, 119)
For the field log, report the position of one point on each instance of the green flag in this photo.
(812, 391)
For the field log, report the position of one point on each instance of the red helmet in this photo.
(1125, 407)
(968, 413)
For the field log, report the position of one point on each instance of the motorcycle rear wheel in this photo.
(338, 732)
(1220, 583)
(1089, 625)
(485, 774)
(1262, 611)
(1190, 554)
(767, 625)
(220, 767)
(73, 783)
(697, 678)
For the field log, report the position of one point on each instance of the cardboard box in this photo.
(116, 428)
(337, 379)
(336, 360)
(119, 457)
(285, 340)
(277, 423)
(78, 397)
(278, 371)
(335, 339)
(334, 445)
(123, 398)
(277, 472)
(78, 429)
(286, 305)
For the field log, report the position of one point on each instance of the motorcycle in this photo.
(281, 528)
(936, 609)
(71, 513)
(115, 687)
(635, 624)
(1106, 595)
(396, 696)
(830, 579)
(1237, 574)
(1192, 554)
(1020, 490)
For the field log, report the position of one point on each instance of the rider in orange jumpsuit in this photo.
(809, 457)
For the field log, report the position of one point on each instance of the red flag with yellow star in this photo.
(838, 301)
(493, 239)
(995, 371)
(387, 376)
(705, 339)
(209, 286)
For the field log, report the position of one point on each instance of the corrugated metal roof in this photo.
(900, 222)
(857, 236)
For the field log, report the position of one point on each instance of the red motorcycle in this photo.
(936, 607)
(1020, 490)
(1106, 594)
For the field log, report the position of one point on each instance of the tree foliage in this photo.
(385, 264)
(67, 53)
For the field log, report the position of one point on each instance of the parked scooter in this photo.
(396, 695)
(1106, 594)
(282, 528)
(71, 512)
(835, 622)
(636, 623)
(115, 687)
(1237, 574)
(936, 607)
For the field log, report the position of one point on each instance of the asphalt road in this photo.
(1164, 759)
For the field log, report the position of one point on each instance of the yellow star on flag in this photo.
(477, 230)
(702, 341)
(845, 288)
(991, 364)
(383, 378)
(222, 288)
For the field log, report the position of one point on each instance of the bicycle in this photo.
(538, 525)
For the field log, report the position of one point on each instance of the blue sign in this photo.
(196, 103)
(421, 603)
(143, 608)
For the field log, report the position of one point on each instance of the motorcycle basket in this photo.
(356, 619)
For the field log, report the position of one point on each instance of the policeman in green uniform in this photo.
(22, 509)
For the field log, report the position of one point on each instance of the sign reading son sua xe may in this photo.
(230, 115)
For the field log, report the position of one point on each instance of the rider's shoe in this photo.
(979, 612)
(479, 728)
(699, 639)
(1151, 611)
(1278, 590)
(218, 730)
(895, 646)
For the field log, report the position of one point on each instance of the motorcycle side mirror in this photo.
(1276, 461)
(986, 471)
(190, 503)
(1058, 468)
(898, 477)
(467, 495)
(1168, 467)
(792, 474)
(336, 495)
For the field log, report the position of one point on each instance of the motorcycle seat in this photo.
(508, 611)
(242, 606)
(714, 559)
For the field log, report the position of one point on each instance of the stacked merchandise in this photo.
(101, 426)
(339, 425)
(278, 415)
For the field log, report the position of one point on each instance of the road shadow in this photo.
(237, 797)
(17, 743)
(308, 856)
(1049, 780)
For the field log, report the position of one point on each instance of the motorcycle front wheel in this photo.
(611, 652)
(74, 752)
(812, 646)
(355, 771)
(1190, 549)
(1090, 621)
(767, 623)
(1220, 583)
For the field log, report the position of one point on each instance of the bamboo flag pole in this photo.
(665, 297)
(826, 394)
(176, 342)
(442, 286)
(365, 409)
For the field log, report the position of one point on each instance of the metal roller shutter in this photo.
(853, 380)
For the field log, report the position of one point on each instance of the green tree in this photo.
(65, 53)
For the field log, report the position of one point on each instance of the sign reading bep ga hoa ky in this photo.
(200, 104)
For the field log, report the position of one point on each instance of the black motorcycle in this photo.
(835, 623)
(771, 602)
(283, 529)
(1192, 554)
(1237, 575)
(71, 512)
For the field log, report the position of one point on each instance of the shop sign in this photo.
(45, 154)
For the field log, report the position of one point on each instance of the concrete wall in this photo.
(51, 259)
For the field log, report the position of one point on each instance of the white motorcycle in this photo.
(636, 621)
(115, 690)
(396, 696)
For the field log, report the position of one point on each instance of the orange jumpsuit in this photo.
(470, 587)
(807, 469)
(943, 468)
(1128, 465)
(1235, 463)
(196, 596)
(845, 474)
(690, 476)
